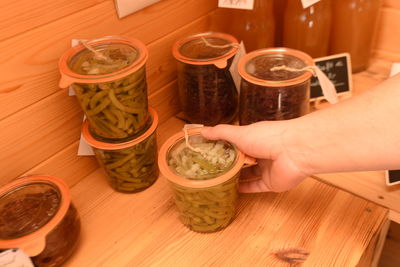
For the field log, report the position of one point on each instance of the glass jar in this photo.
(204, 187)
(129, 166)
(307, 29)
(256, 27)
(112, 91)
(206, 89)
(273, 95)
(354, 22)
(37, 216)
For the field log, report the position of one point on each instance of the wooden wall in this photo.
(40, 124)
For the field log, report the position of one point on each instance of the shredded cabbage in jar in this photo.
(216, 159)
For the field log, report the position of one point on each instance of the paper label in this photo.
(328, 88)
(241, 52)
(126, 7)
(308, 3)
(395, 69)
(15, 258)
(239, 4)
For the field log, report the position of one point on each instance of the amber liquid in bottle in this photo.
(353, 24)
(307, 29)
(255, 27)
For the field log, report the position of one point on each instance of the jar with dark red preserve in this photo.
(275, 85)
(38, 217)
(206, 89)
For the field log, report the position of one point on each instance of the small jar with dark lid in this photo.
(110, 84)
(207, 92)
(37, 216)
(267, 94)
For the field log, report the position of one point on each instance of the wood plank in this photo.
(36, 133)
(67, 165)
(369, 185)
(29, 65)
(390, 254)
(25, 15)
(394, 216)
(391, 3)
(166, 101)
(332, 226)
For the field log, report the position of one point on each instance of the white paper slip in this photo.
(308, 3)
(15, 258)
(238, 4)
(233, 69)
(126, 7)
(395, 69)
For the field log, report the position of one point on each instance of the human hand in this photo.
(265, 141)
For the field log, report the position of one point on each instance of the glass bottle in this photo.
(354, 22)
(307, 29)
(256, 27)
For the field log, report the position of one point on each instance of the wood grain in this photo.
(29, 60)
(391, 3)
(328, 227)
(25, 15)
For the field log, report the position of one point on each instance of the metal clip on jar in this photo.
(129, 166)
(37, 216)
(207, 92)
(111, 89)
(274, 95)
(205, 191)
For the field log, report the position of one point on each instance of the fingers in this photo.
(227, 132)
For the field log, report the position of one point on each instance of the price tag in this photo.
(308, 3)
(233, 69)
(14, 258)
(338, 70)
(239, 4)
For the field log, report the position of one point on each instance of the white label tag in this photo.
(239, 4)
(307, 3)
(126, 7)
(241, 52)
(15, 258)
(328, 88)
(395, 69)
(84, 149)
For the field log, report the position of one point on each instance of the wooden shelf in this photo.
(314, 221)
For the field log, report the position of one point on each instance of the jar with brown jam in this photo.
(268, 94)
(206, 89)
(37, 216)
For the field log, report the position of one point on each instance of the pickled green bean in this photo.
(130, 169)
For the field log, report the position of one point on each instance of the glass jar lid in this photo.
(27, 208)
(256, 67)
(205, 48)
(214, 159)
(172, 175)
(31, 207)
(123, 56)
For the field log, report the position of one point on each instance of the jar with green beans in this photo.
(204, 179)
(109, 81)
(130, 166)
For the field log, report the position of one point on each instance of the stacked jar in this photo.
(206, 89)
(108, 76)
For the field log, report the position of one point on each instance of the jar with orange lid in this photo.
(269, 94)
(204, 182)
(129, 166)
(307, 29)
(109, 78)
(354, 22)
(206, 89)
(37, 216)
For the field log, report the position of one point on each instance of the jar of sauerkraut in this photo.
(204, 179)
(108, 76)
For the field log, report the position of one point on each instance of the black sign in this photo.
(338, 69)
(393, 177)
